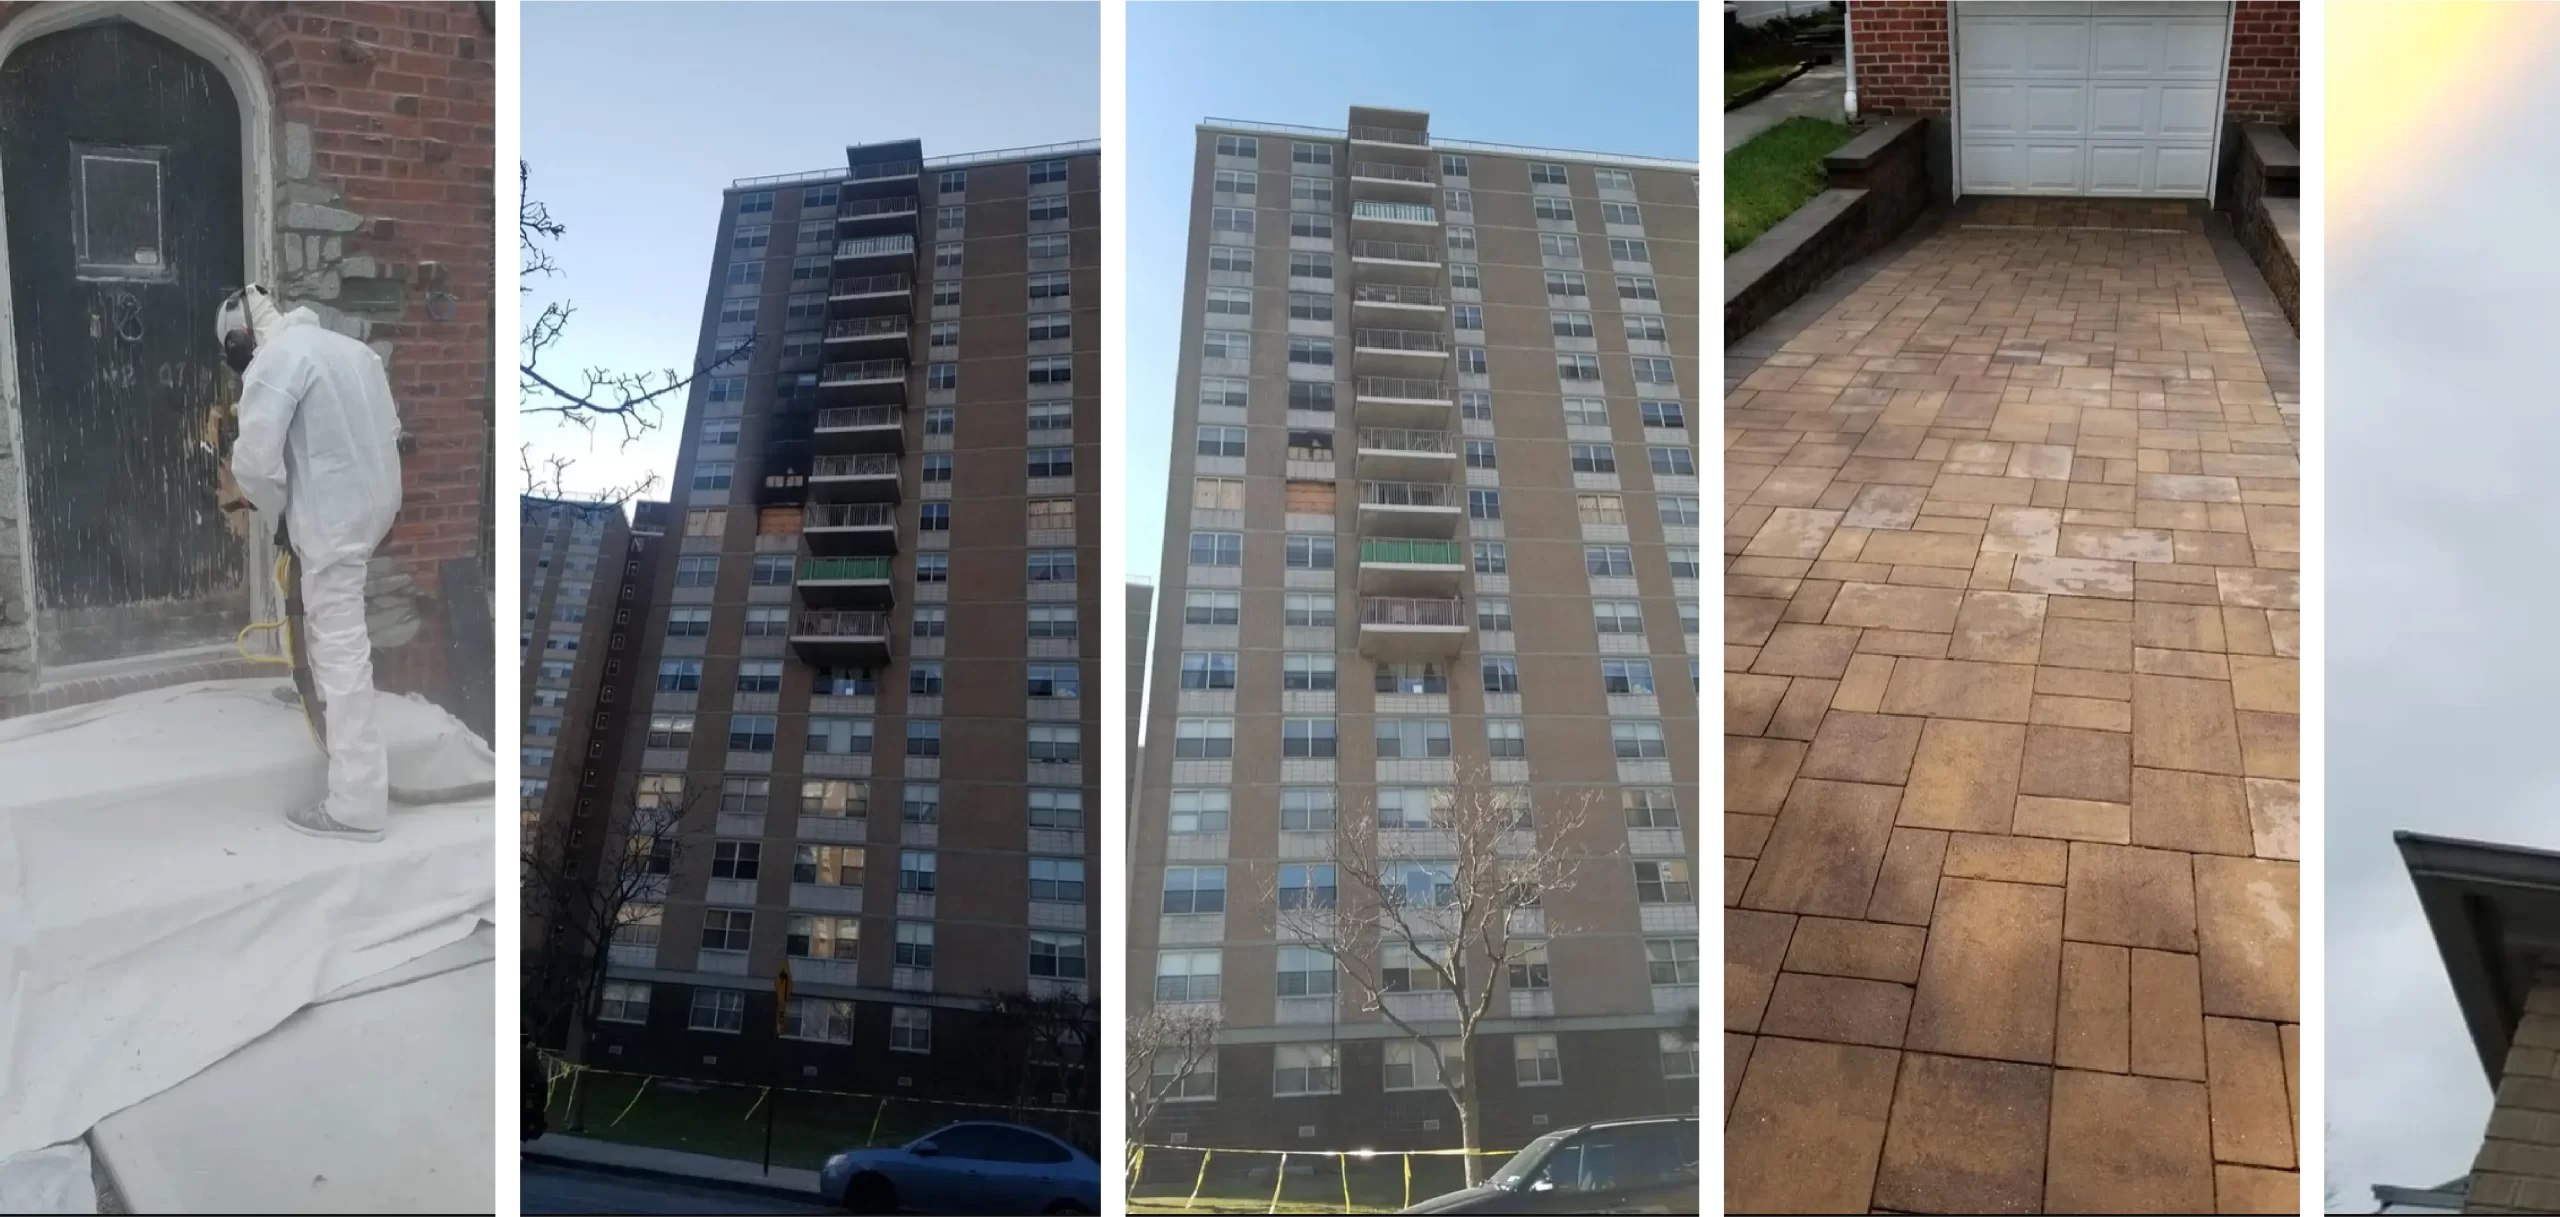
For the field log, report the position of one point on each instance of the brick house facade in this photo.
(378, 125)
(1902, 54)
(2493, 911)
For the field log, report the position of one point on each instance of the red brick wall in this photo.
(1902, 56)
(2265, 84)
(1902, 59)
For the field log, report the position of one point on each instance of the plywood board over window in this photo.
(1312, 498)
(778, 522)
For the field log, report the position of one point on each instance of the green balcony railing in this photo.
(1412, 553)
(829, 569)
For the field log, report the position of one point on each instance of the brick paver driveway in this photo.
(2011, 621)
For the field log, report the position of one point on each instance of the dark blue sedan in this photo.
(969, 1167)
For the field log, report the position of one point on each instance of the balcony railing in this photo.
(865, 369)
(866, 327)
(1407, 494)
(1401, 386)
(1392, 135)
(1401, 439)
(858, 208)
(1400, 340)
(1395, 610)
(1413, 553)
(836, 569)
(885, 169)
(1398, 251)
(864, 285)
(1397, 293)
(844, 417)
(875, 247)
(859, 466)
(1393, 173)
(1414, 213)
(841, 623)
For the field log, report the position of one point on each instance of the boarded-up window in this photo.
(778, 522)
(1311, 498)
(1311, 445)
(1217, 494)
(1053, 514)
(706, 522)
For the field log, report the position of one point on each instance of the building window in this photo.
(1408, 969)
(924, 737)
(1637, 740)
(1306, 972)
(1491, 557)
(1412, 738)
(1504, 738)
(679, 675)
(625, 1001)
(1566, 283)
(1536, 1060)
(1310, 551)
(933, 517)
(953, 181)
(838, 736)
(1300, 1069)
(1649, 807)
(1452, 166)
(740, 795)
(735, 859)
(933, 568)
(1483, 504)
(915, 944)
(1052, 370)
(769, 570)
(760, 676)
(819, 1019)
(1230, 302)
(910, 1029)
(1412, 1065)
(924, 678)
(1231, 219)
(1662, 881)
(1194, 811)
(666, 731)
(1315, 225)
(1529, 972)
(1311, 190)
(1308, 671)
(1636, 287)
(1217, 549)
(1617, 616)
(827, 865)
(1626, 675)
(1186, 976)
(1310, 154)
(1045, 620)
(1056, 807)
(1052, 286)
(1057, 956)
(1501, 673)
(757, 203)
(1053, 680)
(722, 1010)
(1308, 264)
(920, 803)
(1194, 890)
(1551, 207)
(1558, 245)
(1236, 258)
(1057, 745)
(1050, 462)
(1052, 565)
(1463, 276)
(1047, 245)
(1671, 961)
(1666, 414)
(727, 929)
(1671, 462)
(1307, 737)
(1609, 561)
(1208, 670)
(1058, 880)
(1627, 249)
(916, 873)
(1306, 887)
(1307, 609)
(1043, 173)
(1211, 608)
(1204, 738)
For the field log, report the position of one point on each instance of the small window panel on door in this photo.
(117, 198)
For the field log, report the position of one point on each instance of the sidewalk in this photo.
(787, 1182)
(1820, 93)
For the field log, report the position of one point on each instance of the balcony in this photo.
(862, 382)
(1399, 296)
(868, 477)
(869, 335)
(1396, 253)
(869, 295)
(842, 639)
(1407, 455)
(874, 253)
(1397, 628)
(871, 217)
(850, 528)
(1402, 401)
(1397, 352)
(1409, 509)
(1392, 219)
(835, 583)
(1395, 566)
(1406, 136)
(1388, 180)
(875, 173)
(847, 430)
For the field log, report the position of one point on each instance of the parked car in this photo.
(1617, 1166)
(974, 1166)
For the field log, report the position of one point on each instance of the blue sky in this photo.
(1607, 77)
(637, 116)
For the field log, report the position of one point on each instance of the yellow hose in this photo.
(283, 630)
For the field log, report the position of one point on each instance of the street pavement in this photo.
(552, 1187)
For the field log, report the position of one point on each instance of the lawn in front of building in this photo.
(1779, 170)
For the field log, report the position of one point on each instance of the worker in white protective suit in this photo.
(319, 443)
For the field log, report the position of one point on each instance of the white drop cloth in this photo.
(51, 1180)
(157, 914)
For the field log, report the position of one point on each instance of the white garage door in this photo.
(2088, 99)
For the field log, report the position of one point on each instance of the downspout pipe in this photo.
(1849, 52)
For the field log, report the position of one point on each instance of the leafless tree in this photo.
(1053, 1042)
(547, 477)
(1167, 1046)
(1462, 899)
(631, 399)
(586, 899)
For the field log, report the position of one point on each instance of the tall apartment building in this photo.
(588, 576)
(570, 554)
(1434, 512)
(868, 681)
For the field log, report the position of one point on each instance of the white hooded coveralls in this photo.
(319, 441)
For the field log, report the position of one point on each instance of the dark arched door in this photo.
(120, 160)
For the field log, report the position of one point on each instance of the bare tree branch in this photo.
(1460, 898)
(1167, 1045)
(547, 477)
(632, 399)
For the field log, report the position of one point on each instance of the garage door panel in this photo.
(2125, 48)
(1994, 166)
(2055, 168)
(2182, 169)
(2121, 110)
(2058, 111)
(2119, 169)
(1994, 111)
(2191, 50)
(2058, 49)
(2186, 111)
(2109, 99)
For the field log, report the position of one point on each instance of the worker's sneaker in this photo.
(315, 822)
